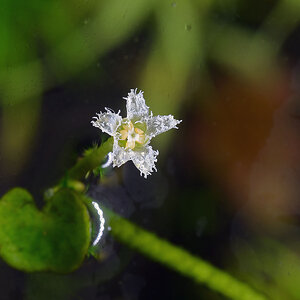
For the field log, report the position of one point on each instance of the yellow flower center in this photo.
(132, 135)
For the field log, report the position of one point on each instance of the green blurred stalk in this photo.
(178, 259)
(91, 161)
(159, 249)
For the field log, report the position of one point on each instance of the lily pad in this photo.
(55, 238)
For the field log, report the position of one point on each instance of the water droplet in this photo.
(188, 27)
(173, 4)
(109, 228)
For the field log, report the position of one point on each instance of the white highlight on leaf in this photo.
(109, 161)
(136, 131)
(101, 221)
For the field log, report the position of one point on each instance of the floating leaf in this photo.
(56, 238)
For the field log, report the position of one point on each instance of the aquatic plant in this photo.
(58, 237)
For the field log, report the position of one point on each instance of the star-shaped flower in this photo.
(133, 134)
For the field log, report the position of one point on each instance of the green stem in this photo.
(158, 249)
(178, 259)
(91, 161)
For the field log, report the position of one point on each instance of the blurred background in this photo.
(227, 186)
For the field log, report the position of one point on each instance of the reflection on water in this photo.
(101, 223)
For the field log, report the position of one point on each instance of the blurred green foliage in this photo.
(271, 266)
(47, 43)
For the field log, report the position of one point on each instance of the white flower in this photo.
(133, 134)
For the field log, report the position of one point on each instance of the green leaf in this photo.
(56, 238)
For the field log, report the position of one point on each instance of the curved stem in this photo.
(159, 249)
(178, 259)
(91, 161)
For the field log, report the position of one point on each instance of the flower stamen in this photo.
(124, 134)
(132, 135)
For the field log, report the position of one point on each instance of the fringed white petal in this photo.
(108, 122)
(136, 106)
(120, 155)
(145, 160)
(160, 124)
